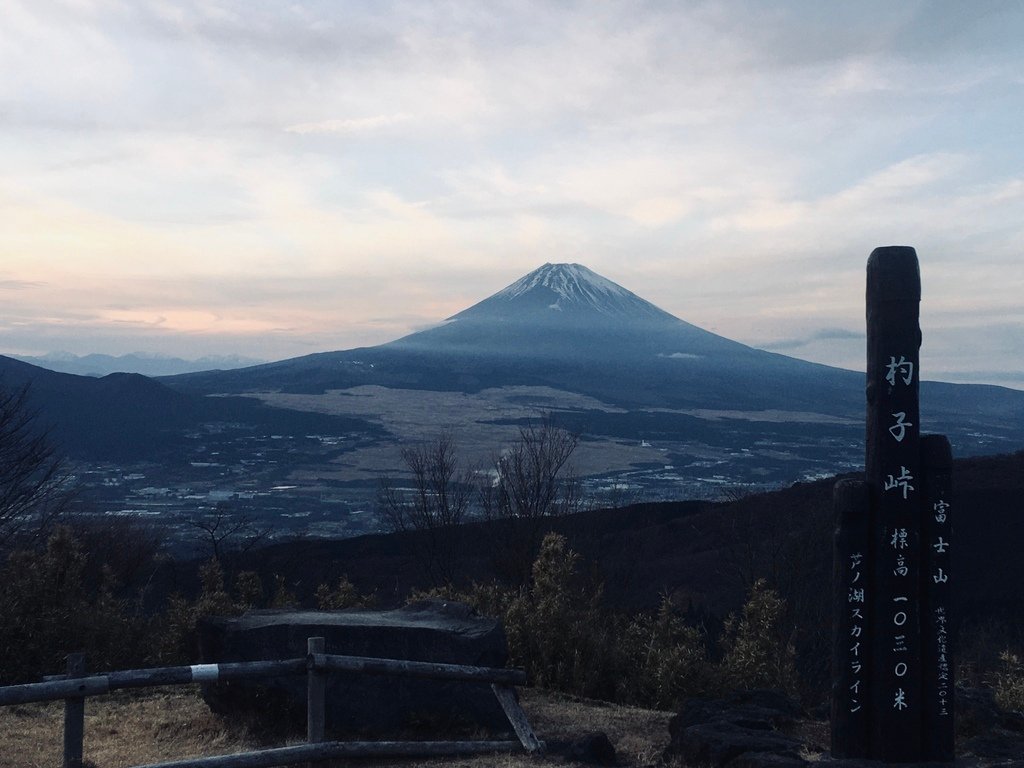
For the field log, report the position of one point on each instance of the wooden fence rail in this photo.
(97, 685)
(75, 686)
(342, 749)
(371, 666)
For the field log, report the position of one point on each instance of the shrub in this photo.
(560, 631)
(663, 660)
(1009, 682)
(344, 595)
(283, 597)
(47, 611)
(175, 639)
(757, 653)
(558, 628)
(249, 590)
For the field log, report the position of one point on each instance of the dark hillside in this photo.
(127, 416)
(707, 554)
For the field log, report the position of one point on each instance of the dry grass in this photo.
(136, 728)
(639, 735)
(482, 421)
(121, 730)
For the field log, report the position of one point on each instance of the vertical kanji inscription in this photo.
(851, 644)
(937, 534)
(893, 477)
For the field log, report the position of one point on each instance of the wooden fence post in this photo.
(74, 716)
(315, 692)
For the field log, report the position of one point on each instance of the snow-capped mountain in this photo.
(571, 289)
(566, 312)
(565, 327)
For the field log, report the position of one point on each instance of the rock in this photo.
(430, 630)
(718, 731)
(758, 709)
(1012, 721)
(719, 743)
(766, 760)
(821, 712)
(976, 711)
(590, 749)
(996, 744)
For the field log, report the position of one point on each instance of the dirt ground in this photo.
(137, 728)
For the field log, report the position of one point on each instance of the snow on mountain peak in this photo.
(573, 286)
(570, 292)
(572, 282)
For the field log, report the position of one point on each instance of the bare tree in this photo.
(437, 500)
(228, 533)
(35, 485)
(531, 482)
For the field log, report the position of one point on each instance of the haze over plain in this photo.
(197, 178)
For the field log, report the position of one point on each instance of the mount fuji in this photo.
(563, 328)
(566, 327)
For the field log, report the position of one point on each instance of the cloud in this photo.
(825, 334)
(349, 126)
(1013, 379)
(311, 165)
(19, 285)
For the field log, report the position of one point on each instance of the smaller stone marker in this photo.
(937, 536)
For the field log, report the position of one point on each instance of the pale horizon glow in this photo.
(213, 178)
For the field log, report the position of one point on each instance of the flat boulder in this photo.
(360, 704)
(594, 748)
(743, 728)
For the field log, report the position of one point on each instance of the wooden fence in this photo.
(75, 686)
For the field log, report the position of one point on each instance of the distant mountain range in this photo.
(135, 362)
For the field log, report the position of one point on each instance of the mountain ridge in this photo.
(126, 416)
(148, 364)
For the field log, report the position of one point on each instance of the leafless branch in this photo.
(227, 533)
(532, 481)
(35, 485)
(437, 500)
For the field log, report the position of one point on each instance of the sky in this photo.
(272, 179)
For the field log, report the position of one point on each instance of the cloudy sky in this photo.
(273, 179)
